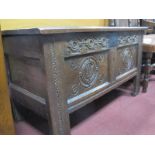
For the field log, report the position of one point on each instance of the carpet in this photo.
(116, 113)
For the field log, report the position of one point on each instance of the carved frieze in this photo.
(85, 45)
(127, 40)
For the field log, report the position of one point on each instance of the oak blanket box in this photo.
(55, 71)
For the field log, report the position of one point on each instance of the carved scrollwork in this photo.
(75, 89)
(126, 40)
(101, 58)
(127, 56)
(85, 46)
(88, 72)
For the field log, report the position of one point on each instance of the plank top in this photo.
(55, 30)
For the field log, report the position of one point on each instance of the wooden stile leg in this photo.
(146, 70)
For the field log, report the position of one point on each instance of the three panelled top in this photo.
(55, 30)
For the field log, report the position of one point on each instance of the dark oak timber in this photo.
(55, 71)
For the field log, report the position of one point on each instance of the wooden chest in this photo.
(55, 71)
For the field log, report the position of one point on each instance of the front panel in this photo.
(94, 61)
(86, 68)
(126, 59)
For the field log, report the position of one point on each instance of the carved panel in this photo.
(126, 59)
(86, 58)
(86, 73)
(85, 45)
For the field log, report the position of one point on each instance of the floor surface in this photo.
(116, 113)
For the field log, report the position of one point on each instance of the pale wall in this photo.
(29, 23)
